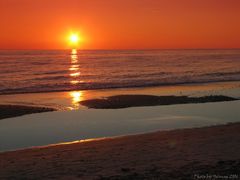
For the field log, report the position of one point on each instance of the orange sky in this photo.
(120, 24)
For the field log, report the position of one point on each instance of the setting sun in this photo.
(74, 39)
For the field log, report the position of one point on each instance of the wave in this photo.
(49, 71)
(51, 78)
(97, 86)
(223, 73)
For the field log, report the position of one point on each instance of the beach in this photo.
(119, 90)
(182, 137)
(177, 154)
(174, 117)
(128, 111)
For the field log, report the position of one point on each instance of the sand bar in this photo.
(8, 111)
(125, 101)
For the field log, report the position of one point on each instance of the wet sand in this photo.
(69, 100)
(8, 111)
(178, 154)
(125, 101)
(115, 102)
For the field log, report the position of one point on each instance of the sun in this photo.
(74, 39)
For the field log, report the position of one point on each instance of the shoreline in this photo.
(70, 100)
(130, 87)
(209, 150)
(67, 126)
(99, 139)
(115, 102)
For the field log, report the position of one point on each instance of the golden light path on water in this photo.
(76, 96)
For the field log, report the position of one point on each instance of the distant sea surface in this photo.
(63, 70)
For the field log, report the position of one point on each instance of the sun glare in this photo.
(74, 39)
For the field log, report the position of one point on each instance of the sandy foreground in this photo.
(179, 154)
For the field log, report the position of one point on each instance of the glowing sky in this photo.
(120, 24)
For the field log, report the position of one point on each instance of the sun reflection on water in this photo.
(74, 59)
(76, 74)
(74, 68)
(76, 97)
(74, 51)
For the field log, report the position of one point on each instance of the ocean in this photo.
(26, 71)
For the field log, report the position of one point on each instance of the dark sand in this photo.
(8, 111)
(179, 154)
(125, 101)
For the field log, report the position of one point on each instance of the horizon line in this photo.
(115, 49)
